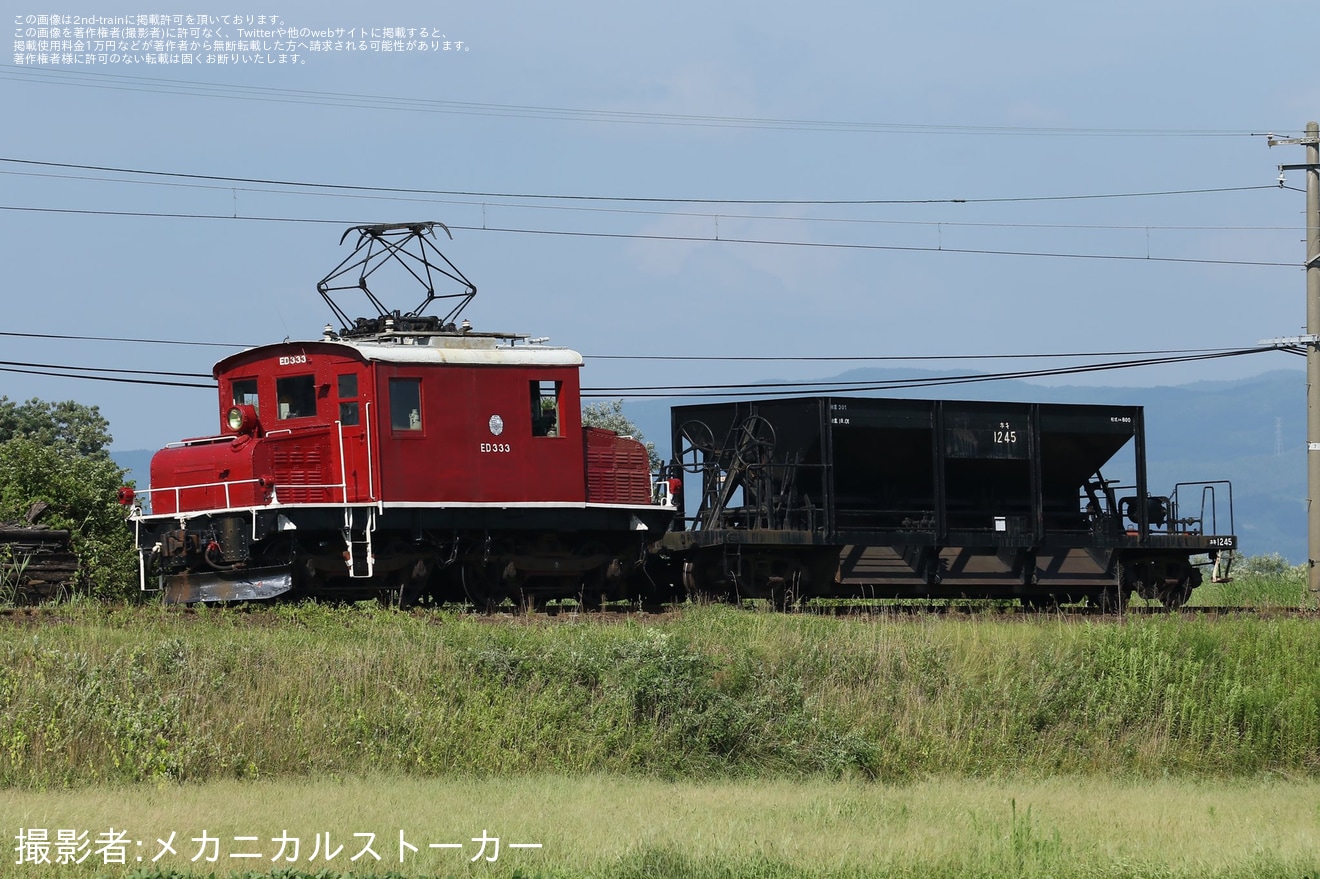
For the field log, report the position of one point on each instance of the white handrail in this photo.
(371, 484)
(177, 489)
(200, 441)
(343, 472)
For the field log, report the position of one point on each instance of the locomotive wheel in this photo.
(484, 591)
(595, 581)
(531, 601)
(591, 600)
(412, 586)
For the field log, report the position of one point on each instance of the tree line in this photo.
(55, 459)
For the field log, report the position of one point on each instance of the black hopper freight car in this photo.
(860, 497)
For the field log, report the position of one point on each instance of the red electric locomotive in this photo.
(405, 455)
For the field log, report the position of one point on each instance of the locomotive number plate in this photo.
(496, 447)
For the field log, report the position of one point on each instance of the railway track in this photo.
(258, 616)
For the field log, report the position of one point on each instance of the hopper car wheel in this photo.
(1112, 599)
(786, 591)
(1175, 595)
(698, 585)
(1115, 597)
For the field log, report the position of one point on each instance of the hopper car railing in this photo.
(1205, 494)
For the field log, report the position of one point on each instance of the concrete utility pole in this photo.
(1312, 340)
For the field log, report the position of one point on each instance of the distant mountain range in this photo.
(1251, 431)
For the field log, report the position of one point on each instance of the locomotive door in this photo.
(354, 424)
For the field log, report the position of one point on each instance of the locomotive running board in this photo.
(251, 585)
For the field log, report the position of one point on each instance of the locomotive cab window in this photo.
(348, 407)
(245, 393)
(296, 395)
(406, 404)
(545, 408)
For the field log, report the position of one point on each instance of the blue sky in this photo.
(855, 101)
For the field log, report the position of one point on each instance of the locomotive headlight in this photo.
(242, 418)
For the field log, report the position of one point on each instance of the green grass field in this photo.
(710, 742)
(105, 694)
(595, 825)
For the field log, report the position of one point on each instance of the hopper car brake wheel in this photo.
(696, 446)
(755, 441)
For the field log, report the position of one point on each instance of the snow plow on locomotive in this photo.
(404, 455)
(862, 497)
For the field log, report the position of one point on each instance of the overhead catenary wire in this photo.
(632, 199)
(724, 239)
(761, 389)
(106, 378)
(708, 239)
(797, 388)
(269, 94)
(848, 358)
(558, 203)
(105, 369)
(295, 191)
(675, 358)
(68, 337)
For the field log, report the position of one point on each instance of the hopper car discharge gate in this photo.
(862, 497)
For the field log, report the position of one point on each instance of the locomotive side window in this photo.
(406, 403)
(245, 393)
(296, 395)
(348, 407)
(545, 408)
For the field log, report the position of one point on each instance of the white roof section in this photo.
(466, 349)
(442, 349)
